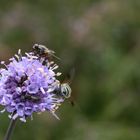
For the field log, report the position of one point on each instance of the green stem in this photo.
(10, 129)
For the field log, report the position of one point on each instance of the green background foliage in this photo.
(101, 39)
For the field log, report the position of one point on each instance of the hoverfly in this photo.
(64, 90)
(42, 51)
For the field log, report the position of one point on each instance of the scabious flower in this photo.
(27, 86)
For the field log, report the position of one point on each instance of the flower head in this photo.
(27, 86)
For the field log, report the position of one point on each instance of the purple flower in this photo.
(27, 86)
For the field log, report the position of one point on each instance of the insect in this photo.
(64, 90)
(43, 52)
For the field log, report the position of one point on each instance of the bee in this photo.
(42, 51)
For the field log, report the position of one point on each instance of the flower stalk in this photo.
(10, 129)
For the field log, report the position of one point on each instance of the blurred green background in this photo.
(101, 39)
